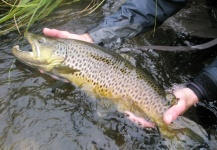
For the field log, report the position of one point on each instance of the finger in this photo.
(48, 32)
(56, 33)
(173, 113)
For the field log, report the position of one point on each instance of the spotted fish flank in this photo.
(108, 75)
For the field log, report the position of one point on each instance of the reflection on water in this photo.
(38, 112)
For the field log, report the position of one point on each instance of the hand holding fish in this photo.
(108, 75)
(186, 96)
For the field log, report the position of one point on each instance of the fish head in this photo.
(46, 52)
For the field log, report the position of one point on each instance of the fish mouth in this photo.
(25, 56)
(29, 57)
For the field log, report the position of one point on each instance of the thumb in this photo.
(172, 113)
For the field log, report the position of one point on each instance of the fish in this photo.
(106, 74)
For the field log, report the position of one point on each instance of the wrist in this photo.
(187, 95)
(191, 97)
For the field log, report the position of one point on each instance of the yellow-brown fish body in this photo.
(101, 72)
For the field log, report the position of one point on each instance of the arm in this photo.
(132, 18)
(202, 87)
(205, 84)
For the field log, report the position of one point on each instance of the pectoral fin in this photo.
(105, 106)
(65, 69)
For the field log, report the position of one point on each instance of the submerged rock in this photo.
(198, 19)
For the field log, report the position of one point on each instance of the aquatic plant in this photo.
(15, 14)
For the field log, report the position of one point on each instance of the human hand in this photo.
(187, 98)
(65, 34)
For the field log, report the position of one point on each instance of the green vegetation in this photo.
(15, 14)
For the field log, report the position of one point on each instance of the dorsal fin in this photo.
(129, 58)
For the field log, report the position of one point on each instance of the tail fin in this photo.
(185, 134)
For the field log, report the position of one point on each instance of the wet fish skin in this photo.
(108, 73)
(105, 74)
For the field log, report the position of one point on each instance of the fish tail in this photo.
(184, 133)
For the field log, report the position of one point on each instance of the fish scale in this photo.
(108, 75)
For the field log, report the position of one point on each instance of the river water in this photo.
(38, 112)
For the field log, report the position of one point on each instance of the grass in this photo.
(15, 14)
(155, 18)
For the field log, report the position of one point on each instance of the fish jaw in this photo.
(25, 56)
(42, 55)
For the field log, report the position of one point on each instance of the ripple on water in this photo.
(37, 112)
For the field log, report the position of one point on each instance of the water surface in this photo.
(38, 112)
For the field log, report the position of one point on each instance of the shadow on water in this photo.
(38, 112)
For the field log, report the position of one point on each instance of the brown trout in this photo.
(108, 75)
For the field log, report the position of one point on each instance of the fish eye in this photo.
(41, 41)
